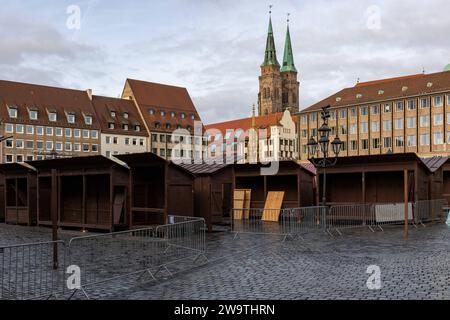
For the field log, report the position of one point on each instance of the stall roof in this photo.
(435, 163)
(15, 167)
(385, 159)
(286, 163)
(204, 168)
(75, 162)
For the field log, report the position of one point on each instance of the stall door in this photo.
(180, 200)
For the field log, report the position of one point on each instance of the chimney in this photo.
(89, 93)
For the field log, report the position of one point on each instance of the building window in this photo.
(375, 126)
(58, 146)
(137, 128)
(354, 145)
(52, 116)
(343, 114)
(387, 125)
(183, 115)
(293, 99)
(49, 145)
(399, 107)
(364, 111)
(94, 134)
(313, 117)
(88, 120)
(113, 114)
(154, 138)
(151, 112)
(353, 128)
(125, 127)
(111, 125)
(438, 138)
(163, 113)
(412, 104)
(127, 141)
(86, 134)
(387, 142)
(126, 115)
(375, 109)
(399, 141)
(364, 127)
(29, 129)
(155, 151)
(411, 122)
(411, 141)
(19, 158)
(115, 140)
(49, 131)
(85, 147)
(19, 143)
(29, 144)
(9, 143)
(9, 158)
(94, 148)
(425, 139)
(376, 143)
(387, 108)
(353, 112)
(134, 141)
(157, 125)
(40, 131)
(9, 128)
(399, 124)
(33, 114)
(71, 118)
(423, 103)
(162, 152)
(343, 129)
(40, 145)
(19, 128)
(59, 132)
(438, 119)
(68, 132)
(30, 158)
(76, 147)
(438, 101)
(108, 140)
(12, 111)
(162, 138)
(448, 99)
(424, 121)
(77, 133)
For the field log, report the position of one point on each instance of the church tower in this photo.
(290, 84)
(270, 84)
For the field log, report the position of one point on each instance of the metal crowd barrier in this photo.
(106, 257)
(429, 211)
(289, 223)
(349, 217)
(27, 271)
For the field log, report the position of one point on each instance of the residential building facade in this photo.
(170, 117)
(122, 128)
(42, 122)
(397, 115)
(257, 139)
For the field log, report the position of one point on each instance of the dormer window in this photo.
(12, 112)
(183, 115)
(380, 92)
(359, 96)
(33, 114)
(88, 120)
(178, 126)
(125, 126)
(193, 116)
(173, 114)
(168, 126)
(404, 89)
(157, 125)
(71, 118)
(338, 99)
(113, 114)
(137, 128)
(111, 125)
(163, 113)
(52, 116)
(126, 115)
(151, 112)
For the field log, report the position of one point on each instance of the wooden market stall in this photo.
(18, 193)
(158, 188)
(92, 192)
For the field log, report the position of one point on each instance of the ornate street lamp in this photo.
(323, 147)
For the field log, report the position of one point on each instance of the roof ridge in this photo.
(156, 83)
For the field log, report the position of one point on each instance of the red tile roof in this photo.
(104, 106)
(387, 89)
(160, 97)
(46, 99)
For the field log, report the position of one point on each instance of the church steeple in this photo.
(288, 59)
(270, 58)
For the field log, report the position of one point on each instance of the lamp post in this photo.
(323, 147)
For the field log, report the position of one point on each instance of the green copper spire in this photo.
(288, 60)
(270, 58)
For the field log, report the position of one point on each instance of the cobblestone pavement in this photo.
(317, 267)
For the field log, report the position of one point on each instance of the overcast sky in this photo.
(215, 47)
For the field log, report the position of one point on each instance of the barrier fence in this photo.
(295, 222)
(26, 271)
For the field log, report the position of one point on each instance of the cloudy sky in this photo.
(215, 47)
